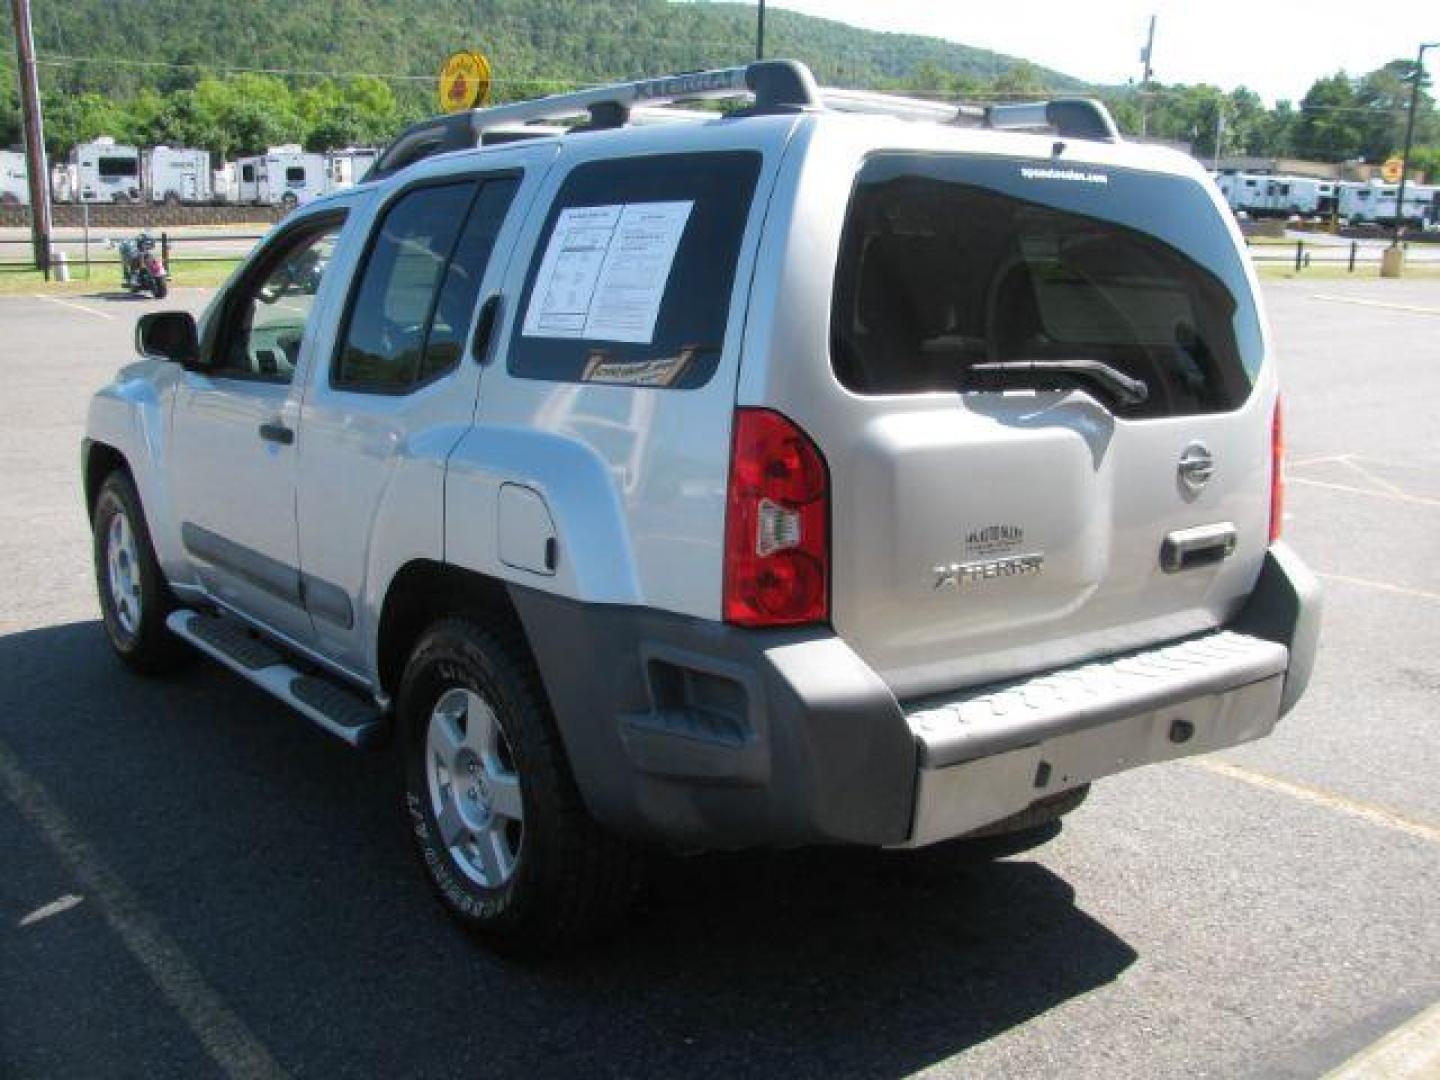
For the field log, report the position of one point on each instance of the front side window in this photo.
(411, 310)
(266, 316)
(950, 264)
(632, 278)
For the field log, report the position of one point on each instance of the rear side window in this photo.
(409, 315)
(632, 277)
(950, 262)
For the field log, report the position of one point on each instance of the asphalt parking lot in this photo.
(195, 882)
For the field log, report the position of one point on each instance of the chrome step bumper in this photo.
(988, 755)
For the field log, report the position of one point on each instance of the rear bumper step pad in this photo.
(998, 719)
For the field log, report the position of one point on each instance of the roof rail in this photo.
(1075, 118)
(775, 85)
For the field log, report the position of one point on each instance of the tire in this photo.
(512, 855)
(160, 288)
(1037, 824)
(134, 599)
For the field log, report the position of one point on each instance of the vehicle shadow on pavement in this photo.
(276, 860)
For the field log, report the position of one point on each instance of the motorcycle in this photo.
(142, 268)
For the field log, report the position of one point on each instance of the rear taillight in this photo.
(1277, 474)
(777, 525)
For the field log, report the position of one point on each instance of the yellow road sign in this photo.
(464, 82)
(1392, 170)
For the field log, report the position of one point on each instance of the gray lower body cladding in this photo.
(698, 733)
(701, 734)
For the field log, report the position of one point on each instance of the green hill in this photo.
(119, 47)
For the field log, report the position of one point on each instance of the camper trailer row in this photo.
(1260, 195)
(105, 171)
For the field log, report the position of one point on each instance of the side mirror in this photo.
(170, 335)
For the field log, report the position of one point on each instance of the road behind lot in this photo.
(247, 903)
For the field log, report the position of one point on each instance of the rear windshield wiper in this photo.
(1125, 390)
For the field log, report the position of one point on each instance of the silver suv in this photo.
(841, 469)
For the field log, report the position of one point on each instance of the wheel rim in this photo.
(123, 562)
(474, 789)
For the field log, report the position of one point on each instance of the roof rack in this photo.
(776, 86)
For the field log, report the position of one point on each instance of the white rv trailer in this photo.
(1264, 195)
(224, 183)
(177, 175)
(64, 182)
(1374, 202)
(1243, 191)
(106, 171)
(346, 168)
(1287, 196)
(282, 176)
(14, 178)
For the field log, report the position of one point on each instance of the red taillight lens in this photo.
(777, 525)
(1277, 475)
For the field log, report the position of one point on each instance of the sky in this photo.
(1275, 47)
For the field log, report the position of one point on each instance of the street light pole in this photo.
(1419, 76)
(760, 33)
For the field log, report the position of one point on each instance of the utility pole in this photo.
(1219, 131)
(1145, 76)
(760, 33)
(38, 172)
(1418, 78)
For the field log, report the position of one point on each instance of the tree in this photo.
(1331, 126)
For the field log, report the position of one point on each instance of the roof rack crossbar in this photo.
(1075, 118)
(775, 85)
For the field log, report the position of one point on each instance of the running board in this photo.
(336, 708)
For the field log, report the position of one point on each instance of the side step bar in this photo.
(337, 709)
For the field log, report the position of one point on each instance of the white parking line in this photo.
(55, 907)
(1376, 304)
(1383, 586)
(1410, 1052)
(77, 307)
(223, 1034)
(1376, 815)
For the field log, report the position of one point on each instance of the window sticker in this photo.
(605, 270)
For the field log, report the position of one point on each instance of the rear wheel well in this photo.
(423, 592)
(100, 461)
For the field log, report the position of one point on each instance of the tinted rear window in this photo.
(949, 262)
(637, 258)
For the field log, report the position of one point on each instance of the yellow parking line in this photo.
(77, 307)
(223, 1034)
(1410, 1052)
(1384, 586)
(1376, 815)
(1350, 489)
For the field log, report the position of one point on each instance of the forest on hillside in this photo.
(235, 77)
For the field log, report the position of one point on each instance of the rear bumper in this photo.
(700, 734)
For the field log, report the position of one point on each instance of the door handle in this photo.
(485, 328)
(277, 433)
(1186, 549)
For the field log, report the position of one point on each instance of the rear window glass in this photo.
(294, 175)
(949, 265)
(632, 277)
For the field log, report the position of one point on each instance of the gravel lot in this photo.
(247, 904)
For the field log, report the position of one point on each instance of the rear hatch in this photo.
(1025, 352)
